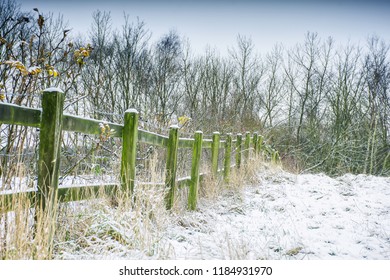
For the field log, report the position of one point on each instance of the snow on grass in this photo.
(286, 216)
(291, 217)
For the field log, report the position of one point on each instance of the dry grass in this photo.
(113, 226)
(94, 228)
(101, 229)
(25, 234)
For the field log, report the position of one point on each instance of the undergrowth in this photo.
(112, 226)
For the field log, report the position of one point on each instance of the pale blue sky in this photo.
(217, 23)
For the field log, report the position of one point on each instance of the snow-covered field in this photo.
(284, 216)
(291, 217)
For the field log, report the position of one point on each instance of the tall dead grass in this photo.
(110, 226)
(25, 233)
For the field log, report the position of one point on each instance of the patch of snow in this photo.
(53, 89)
(291, 217)
(311, 217)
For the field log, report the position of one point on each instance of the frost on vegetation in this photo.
(285, 216)
(101, 230)
(291, 217)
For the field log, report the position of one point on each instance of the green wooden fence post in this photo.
(215, 153)
(49, 147)
(255, 143)
(196, 157)
(260, 140)
(274, 156)
(238, 150)
(247, 146)
(49, 161)
(171, 165)
(129, 151)
(228, 155)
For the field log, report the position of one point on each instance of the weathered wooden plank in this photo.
(186, 143)
(10, 200)
(152, 138)
(171, 166)
(196, 156)
(186, 181)
(91, 126)
(88, 126)
(207, 143)
(84, 192)
(129, 151)
(19, 115)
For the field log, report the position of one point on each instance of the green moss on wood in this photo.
(129, 151)
(215, 153)
(18, 115)
(88, 126)
(49, 147)
(152, 138)
(196, 156)
(228, 156)
(247, 145)
(238, 150)
(171, 166)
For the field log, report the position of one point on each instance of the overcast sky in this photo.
(217, 23)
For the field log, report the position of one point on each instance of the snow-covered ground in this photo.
(282, 216)
(290, 217)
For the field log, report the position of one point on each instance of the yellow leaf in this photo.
(184, 120)
(34, 70)
(85, 53)
(80, 61)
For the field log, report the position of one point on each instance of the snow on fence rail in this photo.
(52, 121)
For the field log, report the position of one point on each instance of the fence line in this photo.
(51, 121)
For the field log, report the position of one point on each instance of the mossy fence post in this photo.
(49, 147)
(171, 165)
(196, 157)
(129, 151)
(260, 140)
(255, 143)
(228, 157)
(238, 150)
(215, 154)
(49, 159)
(247, 146)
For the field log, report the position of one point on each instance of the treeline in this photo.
(324, 107)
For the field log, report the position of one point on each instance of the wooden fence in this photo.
(52, 121)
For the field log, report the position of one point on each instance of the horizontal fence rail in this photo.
(52, 121)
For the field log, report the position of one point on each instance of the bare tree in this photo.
(167, 69)
(248, 72)
(273, 87)
(132, 65)
(377, 75)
